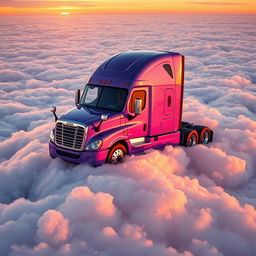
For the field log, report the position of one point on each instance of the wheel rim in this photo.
(192, 140)
(117, 156)
(205, 138)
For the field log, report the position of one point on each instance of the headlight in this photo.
(52, 135)
(94, 145)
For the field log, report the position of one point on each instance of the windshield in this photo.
(101, 97)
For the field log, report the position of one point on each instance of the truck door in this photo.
(167, 121)
(137, 125)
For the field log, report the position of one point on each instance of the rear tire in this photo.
(191, 138)
(116, 154)
(204, 134)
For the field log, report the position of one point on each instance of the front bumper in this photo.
(92, 157)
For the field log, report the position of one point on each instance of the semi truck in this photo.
(132, 102)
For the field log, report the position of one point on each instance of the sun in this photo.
(64, 13)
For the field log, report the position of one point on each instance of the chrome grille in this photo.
(69, 135)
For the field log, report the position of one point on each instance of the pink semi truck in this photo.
(132, 102)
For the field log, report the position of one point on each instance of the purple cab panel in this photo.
(92, 157)
(107, 111)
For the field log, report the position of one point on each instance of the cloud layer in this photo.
(175, 201)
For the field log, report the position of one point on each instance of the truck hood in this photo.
(83, 115)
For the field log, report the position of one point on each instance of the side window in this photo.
(168, 69)
(141, 94)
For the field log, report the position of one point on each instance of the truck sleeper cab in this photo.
(132, 102)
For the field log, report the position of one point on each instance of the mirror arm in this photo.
(104, 117)
(55, 116)
(97, 129)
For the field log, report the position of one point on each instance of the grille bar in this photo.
(70, 135)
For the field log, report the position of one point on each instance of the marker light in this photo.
(94, 145)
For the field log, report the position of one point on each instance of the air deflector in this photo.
(123, 61)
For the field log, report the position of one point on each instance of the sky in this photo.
(127, 6)
(171, 202)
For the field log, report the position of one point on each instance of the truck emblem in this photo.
(69, 124)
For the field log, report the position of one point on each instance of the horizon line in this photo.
(133, 13)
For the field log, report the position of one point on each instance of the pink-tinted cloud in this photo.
(236, 81)
(53, 228)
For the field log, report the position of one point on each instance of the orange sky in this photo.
(127, 6)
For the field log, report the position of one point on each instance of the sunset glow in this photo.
(115, 6)
(65, 13)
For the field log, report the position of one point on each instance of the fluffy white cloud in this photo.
(175, 201)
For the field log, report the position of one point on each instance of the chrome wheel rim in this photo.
(192, 140)
(205, 138)
(117, 156)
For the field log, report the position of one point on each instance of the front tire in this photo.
(117, 154)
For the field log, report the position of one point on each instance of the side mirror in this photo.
(53, 109)
(77, 97)
(104, 117)
(137, 106)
